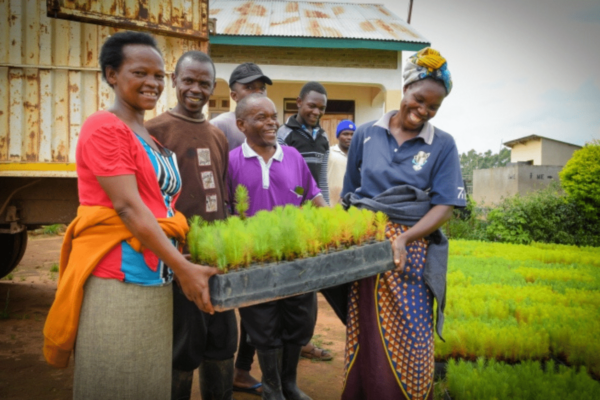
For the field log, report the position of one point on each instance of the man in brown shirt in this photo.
(199, 340)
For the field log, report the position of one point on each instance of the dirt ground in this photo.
(27, 294)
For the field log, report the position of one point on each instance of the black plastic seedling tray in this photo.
(272, 281)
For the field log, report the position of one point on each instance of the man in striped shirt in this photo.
(303, 132)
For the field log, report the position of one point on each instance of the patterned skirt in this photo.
(389, 334)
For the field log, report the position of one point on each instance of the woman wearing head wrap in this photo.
(404, 166)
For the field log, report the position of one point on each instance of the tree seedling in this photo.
(284, 233)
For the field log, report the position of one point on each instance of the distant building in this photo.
(539, 150)
(354, 50)
(535, 162)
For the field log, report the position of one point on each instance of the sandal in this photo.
(313, 352)
(251, 390)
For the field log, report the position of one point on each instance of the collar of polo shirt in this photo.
(264, 167)
(427, 132)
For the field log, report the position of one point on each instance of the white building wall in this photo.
(369, 88)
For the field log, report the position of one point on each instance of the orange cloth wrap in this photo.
(91, 235)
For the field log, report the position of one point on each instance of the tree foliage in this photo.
(580, 178)
(472, 160)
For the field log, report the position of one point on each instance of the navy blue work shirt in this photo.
(428, 161)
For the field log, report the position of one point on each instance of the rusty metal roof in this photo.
(280, 18)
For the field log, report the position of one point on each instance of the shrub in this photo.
(468, 223)
(547, 216)
(580, 178)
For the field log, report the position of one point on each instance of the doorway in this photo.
(337, 111)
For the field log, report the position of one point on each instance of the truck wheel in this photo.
(12, 248)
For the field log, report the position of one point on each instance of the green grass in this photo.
(54, 229)
(54, 268)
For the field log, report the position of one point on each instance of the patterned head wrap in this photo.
(427, 63)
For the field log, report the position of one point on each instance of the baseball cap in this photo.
(248, 72)
(345, 125)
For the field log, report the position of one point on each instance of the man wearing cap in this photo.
(338, 158)
(246, 78)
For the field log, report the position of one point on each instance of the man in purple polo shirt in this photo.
(274, 176)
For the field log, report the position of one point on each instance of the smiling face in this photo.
(259, 122)
(194, 84)
(241, 90)
(311, 108)
(140, 80)
(420, 103)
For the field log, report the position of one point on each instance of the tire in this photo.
(12, 248)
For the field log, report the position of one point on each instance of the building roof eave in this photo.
(319, 43)
(525, 139)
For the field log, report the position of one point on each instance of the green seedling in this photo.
(285, 233)
(242, 201)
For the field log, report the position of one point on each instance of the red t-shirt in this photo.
(108, 147)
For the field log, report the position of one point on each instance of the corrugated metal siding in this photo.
(50, 81)
(311, 19)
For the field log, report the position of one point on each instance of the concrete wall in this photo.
(555, 153)
(532, 150)
(490, 186)
(536, 177)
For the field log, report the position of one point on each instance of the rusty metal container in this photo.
(50, 80)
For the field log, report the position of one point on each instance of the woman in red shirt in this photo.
(124, 335)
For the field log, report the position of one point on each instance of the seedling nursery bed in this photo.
(260, 283)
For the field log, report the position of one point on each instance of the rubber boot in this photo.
(216, 379)
(289, 368)
(270, 365)
(181, 384)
